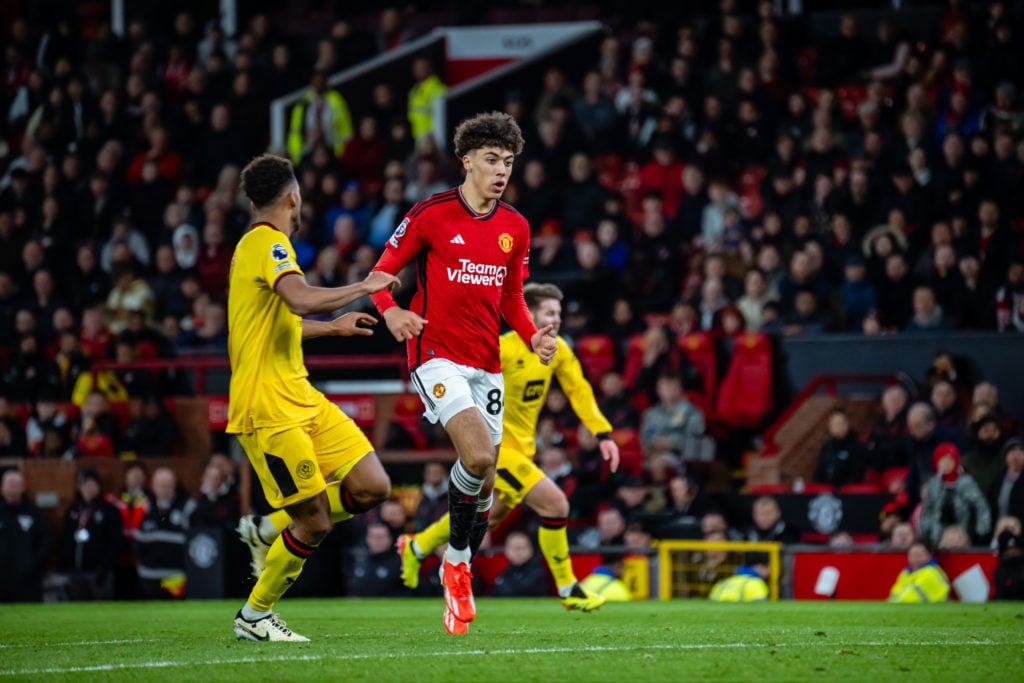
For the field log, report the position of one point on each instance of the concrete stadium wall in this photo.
(997, 358)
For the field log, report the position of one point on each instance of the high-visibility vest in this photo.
(341, 124)
(927, 584)
(421, 105)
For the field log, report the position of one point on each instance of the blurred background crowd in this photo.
(714, 171)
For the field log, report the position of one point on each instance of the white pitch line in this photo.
(79, 643)
(477, 653)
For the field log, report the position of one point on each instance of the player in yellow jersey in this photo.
(295, 438)
(518, 479)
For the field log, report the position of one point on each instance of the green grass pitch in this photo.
(518, 640)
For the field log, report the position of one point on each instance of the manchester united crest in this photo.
(505, 241)
(439, 390)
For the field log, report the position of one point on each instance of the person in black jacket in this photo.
(842, 457)
(1006, 492)
(91, 541)
(161, 538)
(25, 541)
(377, 572)
(924, 434)
(525, 576)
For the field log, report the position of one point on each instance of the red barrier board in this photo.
(870, 575)
(362, 408)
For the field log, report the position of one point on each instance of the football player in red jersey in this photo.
(471, 251)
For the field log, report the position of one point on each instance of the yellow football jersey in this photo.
(526, 387)
(268, 377)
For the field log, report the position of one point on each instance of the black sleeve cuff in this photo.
(604, 436)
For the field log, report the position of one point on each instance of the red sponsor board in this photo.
(362, 408)
(870, 575)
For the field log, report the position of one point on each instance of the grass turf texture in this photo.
(517, 640)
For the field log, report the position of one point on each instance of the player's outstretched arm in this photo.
(404, 324)
(303, 299)
(350, 324)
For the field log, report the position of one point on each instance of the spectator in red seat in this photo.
(97, 432)
(96, 337)
(168, 161)
(667, 425)
(842, 459)
(663, 174)
(953, 498)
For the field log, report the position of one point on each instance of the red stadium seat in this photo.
(893, 477)
(860, 488)
(631, 452)
(745, 394)
(817, 489)
(699, 348)
(597, 355)
(768, 490)
(408, 413)
(634, 359)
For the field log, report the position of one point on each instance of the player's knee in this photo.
(312, 530)
(555, 507)
(560, 507)
(479, 461)
(375, 494)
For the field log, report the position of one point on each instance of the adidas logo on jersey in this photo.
(457, 240)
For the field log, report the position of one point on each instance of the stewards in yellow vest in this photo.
(321, 114)
(428, 87)
(922, 580)
(745, 586)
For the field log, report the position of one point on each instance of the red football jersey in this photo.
(469, 272)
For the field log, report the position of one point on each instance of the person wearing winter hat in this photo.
(953, 497)
(984, 459)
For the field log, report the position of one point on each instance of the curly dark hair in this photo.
(265, 178)
(490, 129)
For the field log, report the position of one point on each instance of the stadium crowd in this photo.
(730, 173)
